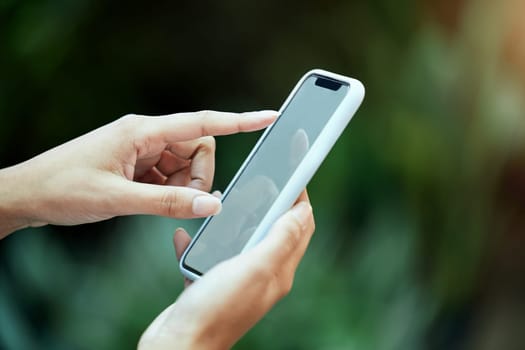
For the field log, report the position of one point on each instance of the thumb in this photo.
(172, 201)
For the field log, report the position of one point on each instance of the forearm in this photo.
(16, 200)
(181, 328)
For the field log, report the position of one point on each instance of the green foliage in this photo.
(408, 204)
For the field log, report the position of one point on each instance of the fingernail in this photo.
(302, 212)
(206, 205)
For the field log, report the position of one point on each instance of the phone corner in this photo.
(183, 270)
(359, 89)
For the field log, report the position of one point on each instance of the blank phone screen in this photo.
(267, 172)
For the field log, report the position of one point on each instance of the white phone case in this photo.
(308, 165)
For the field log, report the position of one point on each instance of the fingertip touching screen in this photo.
(266, 173)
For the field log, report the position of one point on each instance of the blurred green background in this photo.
(420, 207)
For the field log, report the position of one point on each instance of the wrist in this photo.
(206, 334)
(178, 327)
(15, 200)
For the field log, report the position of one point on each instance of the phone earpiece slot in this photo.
(328, 84)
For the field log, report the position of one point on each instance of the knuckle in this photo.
(204, 116)
(128, 116)
(200, 184)
(129, 123)
(128, 119)
(294, 229)
(170, 204)
(208, 143)
(135, 128)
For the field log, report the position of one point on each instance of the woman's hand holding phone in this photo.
(160, 165)
(216, 310)
(277, 169)
(164, 166)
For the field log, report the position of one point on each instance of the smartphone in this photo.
(279, 167)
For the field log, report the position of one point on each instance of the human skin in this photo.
(216, 310)
(136, 165)
(163, 166)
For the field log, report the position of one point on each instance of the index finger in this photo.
(188, 126)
